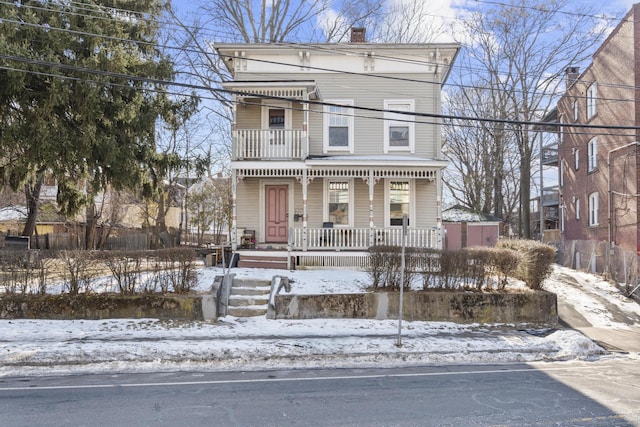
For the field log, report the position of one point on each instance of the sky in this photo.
(60, 347)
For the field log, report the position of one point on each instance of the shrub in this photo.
(536, 263)
(80, 269)
(126, 269)
(385, 266)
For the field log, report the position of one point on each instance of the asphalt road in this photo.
(555, 394)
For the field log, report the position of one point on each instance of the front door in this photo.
(277, 213)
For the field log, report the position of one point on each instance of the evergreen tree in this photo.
(80, 92)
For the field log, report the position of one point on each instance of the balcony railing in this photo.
(549, 155)
(363, 238)
(268, 144)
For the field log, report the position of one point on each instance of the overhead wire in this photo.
(275, 62)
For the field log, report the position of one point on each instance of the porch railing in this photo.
(265, 144)
(362, 238)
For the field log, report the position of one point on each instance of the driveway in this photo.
(597, 309)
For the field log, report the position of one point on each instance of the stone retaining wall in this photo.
(462, 307)
(103, 306)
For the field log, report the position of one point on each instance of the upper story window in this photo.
(576, 156)
(561, 172)
(561, 133)
(577, 203)
(576, 111)
(399, 129)
(338, 126)
(592, 94)
(594, 206)
(593, 154)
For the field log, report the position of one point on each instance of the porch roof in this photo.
(298, 89)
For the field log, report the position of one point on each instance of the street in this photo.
(603, 393)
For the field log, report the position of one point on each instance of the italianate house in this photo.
(599, 156)
(332, 145)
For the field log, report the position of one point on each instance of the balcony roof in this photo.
(297, 89)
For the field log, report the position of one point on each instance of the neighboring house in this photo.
(466, 228)
(328, 154)
(598, 174)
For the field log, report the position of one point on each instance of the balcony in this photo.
(550, 196)
(550, 156)
(268, 144)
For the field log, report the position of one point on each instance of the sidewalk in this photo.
(38, 347)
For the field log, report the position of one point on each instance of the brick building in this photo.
(598, 163)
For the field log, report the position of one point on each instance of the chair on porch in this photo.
(325, 238)
(248, 239)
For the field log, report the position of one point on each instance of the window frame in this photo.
(594, 207)
(347, 105)
(391, 119)
(576, 155)
(592, 161)
(326, 201)
(577, 208)
(576, 110)
(387, 202)
(592, 105)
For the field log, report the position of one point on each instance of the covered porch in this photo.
(317, 209)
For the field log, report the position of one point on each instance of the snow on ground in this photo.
(39, 347)
(570, 285)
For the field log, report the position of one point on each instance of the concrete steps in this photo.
(249, 298)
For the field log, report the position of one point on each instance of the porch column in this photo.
(371, 188)
(304, 209)
(234, 230)
(305, 127)
(440, 231)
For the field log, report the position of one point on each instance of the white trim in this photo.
(594, 207)
(592, 161)
(325, 201)
(274, 104)
(412, 201)
(592, 100)
(404, 120)
(262, 206)
(348, 114)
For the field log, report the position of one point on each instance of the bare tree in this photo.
(519, 52)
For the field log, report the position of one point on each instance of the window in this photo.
(399, 198)
(576, 155)
(577, 203)
(593, 155)
(339, 199)
(338, 126)
(593, 209)
(561, 132)
(592, 94)
(576, 111)
(561, 179)
(276, 118)
(399, 129)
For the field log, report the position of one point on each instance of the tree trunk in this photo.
(90, 229)
(32, 195)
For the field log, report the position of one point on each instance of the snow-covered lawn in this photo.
(34, 347)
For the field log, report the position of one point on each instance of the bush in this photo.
(385, 266)
(536, 263)
(80, 270)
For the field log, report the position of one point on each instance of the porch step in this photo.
(249, 298)
(276, 262)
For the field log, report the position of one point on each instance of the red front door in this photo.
(276, 221)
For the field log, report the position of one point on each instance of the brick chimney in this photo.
(572, 74)
(358, 35)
